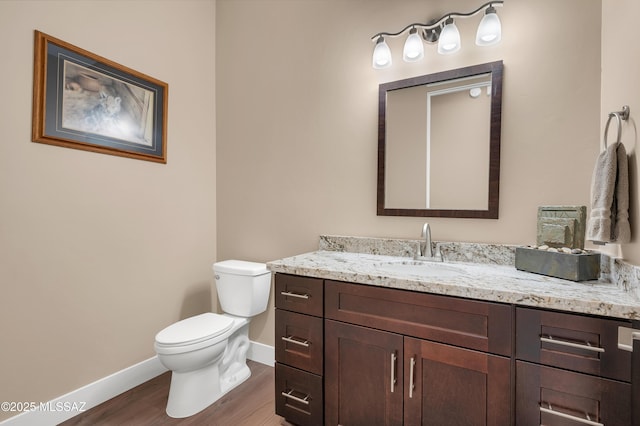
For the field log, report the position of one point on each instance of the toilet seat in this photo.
(194, 332)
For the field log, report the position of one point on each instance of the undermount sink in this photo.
(424, 268)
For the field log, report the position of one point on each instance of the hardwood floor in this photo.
(250, 404)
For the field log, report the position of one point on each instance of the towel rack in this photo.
(619, 115)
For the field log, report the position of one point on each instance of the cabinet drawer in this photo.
(299, 396)
(550, 396)
(573, 342)
(472, 324)
(299, 340)
(299, 294)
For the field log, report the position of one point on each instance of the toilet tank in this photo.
(243, 287)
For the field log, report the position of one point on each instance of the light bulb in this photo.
(490, 28)
(449, 41)
(381, 54)
(413, 48)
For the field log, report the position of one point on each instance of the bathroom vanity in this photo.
(371, 339)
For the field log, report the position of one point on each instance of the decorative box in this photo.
(574, 267)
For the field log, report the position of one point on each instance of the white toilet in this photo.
(207, 353)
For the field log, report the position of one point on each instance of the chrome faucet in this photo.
(425, 245)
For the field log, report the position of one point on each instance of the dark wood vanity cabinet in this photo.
(363, 373)
(570, 370)
(375, 377)
(352, 354)
(299, 349)
(448, 385)
(390, 358)
(552, 396)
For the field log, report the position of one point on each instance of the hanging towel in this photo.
(609, 219)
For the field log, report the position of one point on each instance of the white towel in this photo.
(609, 219)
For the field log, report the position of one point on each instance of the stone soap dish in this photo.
(575, 266)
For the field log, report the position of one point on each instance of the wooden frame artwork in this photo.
(84, 101)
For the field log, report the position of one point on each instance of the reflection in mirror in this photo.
(439, 144)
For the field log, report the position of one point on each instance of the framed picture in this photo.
(84, 101)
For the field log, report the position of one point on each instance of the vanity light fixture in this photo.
(443, 31)
(381, 54)
(449, 41)
(490, 28)
(413, 48)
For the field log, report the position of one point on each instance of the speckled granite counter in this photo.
(490, 277)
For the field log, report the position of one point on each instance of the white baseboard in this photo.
(67, 406)
(264, 354)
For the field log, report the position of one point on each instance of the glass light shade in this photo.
(413, 48)
(449, 41)
(490, 29)
(381, 55)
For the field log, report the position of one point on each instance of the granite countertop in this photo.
(490, 281)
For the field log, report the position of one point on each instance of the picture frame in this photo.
(84, 101)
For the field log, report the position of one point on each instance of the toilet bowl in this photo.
(207, 353)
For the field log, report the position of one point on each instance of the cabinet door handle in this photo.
(290, 395)
(587, 346)
(294, 340)
(412, 386)
(290, 294)
(393, 370)
(585, 421)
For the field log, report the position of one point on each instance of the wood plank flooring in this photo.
(250, 404)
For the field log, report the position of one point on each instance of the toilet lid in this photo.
(195, 329)
(241, 267)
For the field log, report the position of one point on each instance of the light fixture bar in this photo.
(434, 24)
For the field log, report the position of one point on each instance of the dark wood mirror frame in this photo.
(495, 68)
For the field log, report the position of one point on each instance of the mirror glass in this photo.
(439, 144)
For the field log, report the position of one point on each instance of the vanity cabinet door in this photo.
(363, 376)
(447, 385)
(554, 397)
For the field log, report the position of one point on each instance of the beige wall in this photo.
(297, 119)
(97, 252)
(621, 86)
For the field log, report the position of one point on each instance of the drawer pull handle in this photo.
(412, 385)
(290, 294)
(292, 339)
(393, 371)
(585, 421)
(290, 395)
(587, 346)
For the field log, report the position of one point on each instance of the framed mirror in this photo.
(439, 144)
